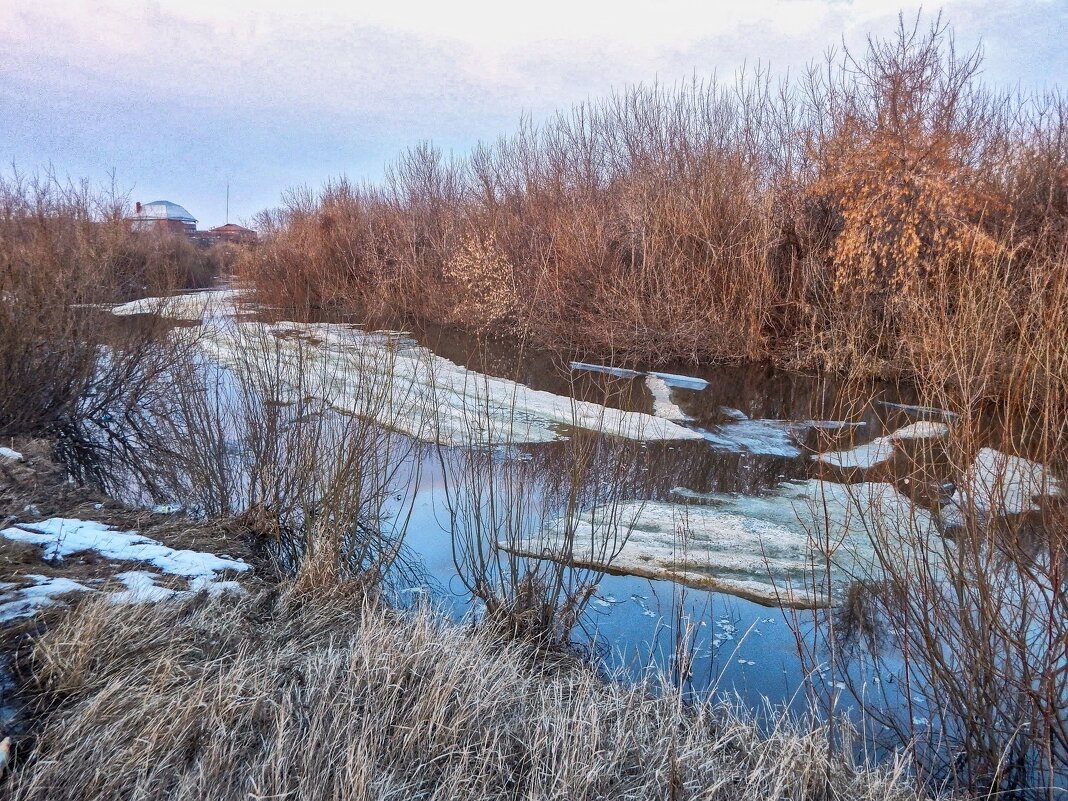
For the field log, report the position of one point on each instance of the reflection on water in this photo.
(454, 517)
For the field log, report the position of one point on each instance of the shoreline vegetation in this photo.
(884, 215)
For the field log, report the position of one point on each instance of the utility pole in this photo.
(227, 202)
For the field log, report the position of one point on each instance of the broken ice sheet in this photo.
(414, 391)
(770, 548)
(881, 448)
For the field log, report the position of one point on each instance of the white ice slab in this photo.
(192, 306)
(681, 381)
(769, 548)
(663, 405)
(7, 453)
(998, 484)
(618, 372)
(881, 448)
(412, 390)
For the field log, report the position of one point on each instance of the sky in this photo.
(179, 99)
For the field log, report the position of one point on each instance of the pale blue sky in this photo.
(180, 97)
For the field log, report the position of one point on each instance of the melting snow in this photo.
(7, 453)
(26, 601)
(60, 537)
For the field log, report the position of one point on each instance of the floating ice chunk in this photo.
(618, 372)
(924, 411)
(60, 537)
(759, 437)
(881, 448)
(663, 405)
(192, 306)
(771, 549)
(998, 484)
(681, 381)
(10, 455)
(733, 414)
(417, 392)
(26, 601)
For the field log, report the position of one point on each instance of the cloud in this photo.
(178, 97)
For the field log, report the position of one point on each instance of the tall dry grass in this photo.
(289, 695)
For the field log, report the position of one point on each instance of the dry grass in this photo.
(298, 697)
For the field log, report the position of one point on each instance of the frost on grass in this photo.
(882, 448)
(193, 306)
(409, 389)
(997, 484)
(772, 549)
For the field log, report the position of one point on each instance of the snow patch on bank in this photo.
(62, 536)
(21, 602)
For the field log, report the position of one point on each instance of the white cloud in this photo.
(273, 91)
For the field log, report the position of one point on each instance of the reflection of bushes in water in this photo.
(974, 631)
(857, 620)
(328, 493)
(496, 503)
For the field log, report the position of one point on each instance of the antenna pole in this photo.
(227, 202)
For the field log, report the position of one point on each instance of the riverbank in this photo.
(259, 686)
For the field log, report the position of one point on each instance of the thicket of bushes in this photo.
(862, 217)
(63, 249)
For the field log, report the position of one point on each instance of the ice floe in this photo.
(759, 437)
(921, 411)
(881, 448)
(191, 307)
(409, 389)
(671, 379)
(618, 372)
(771, 548)
(681, 381)
(663, 405)
(998, 484)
